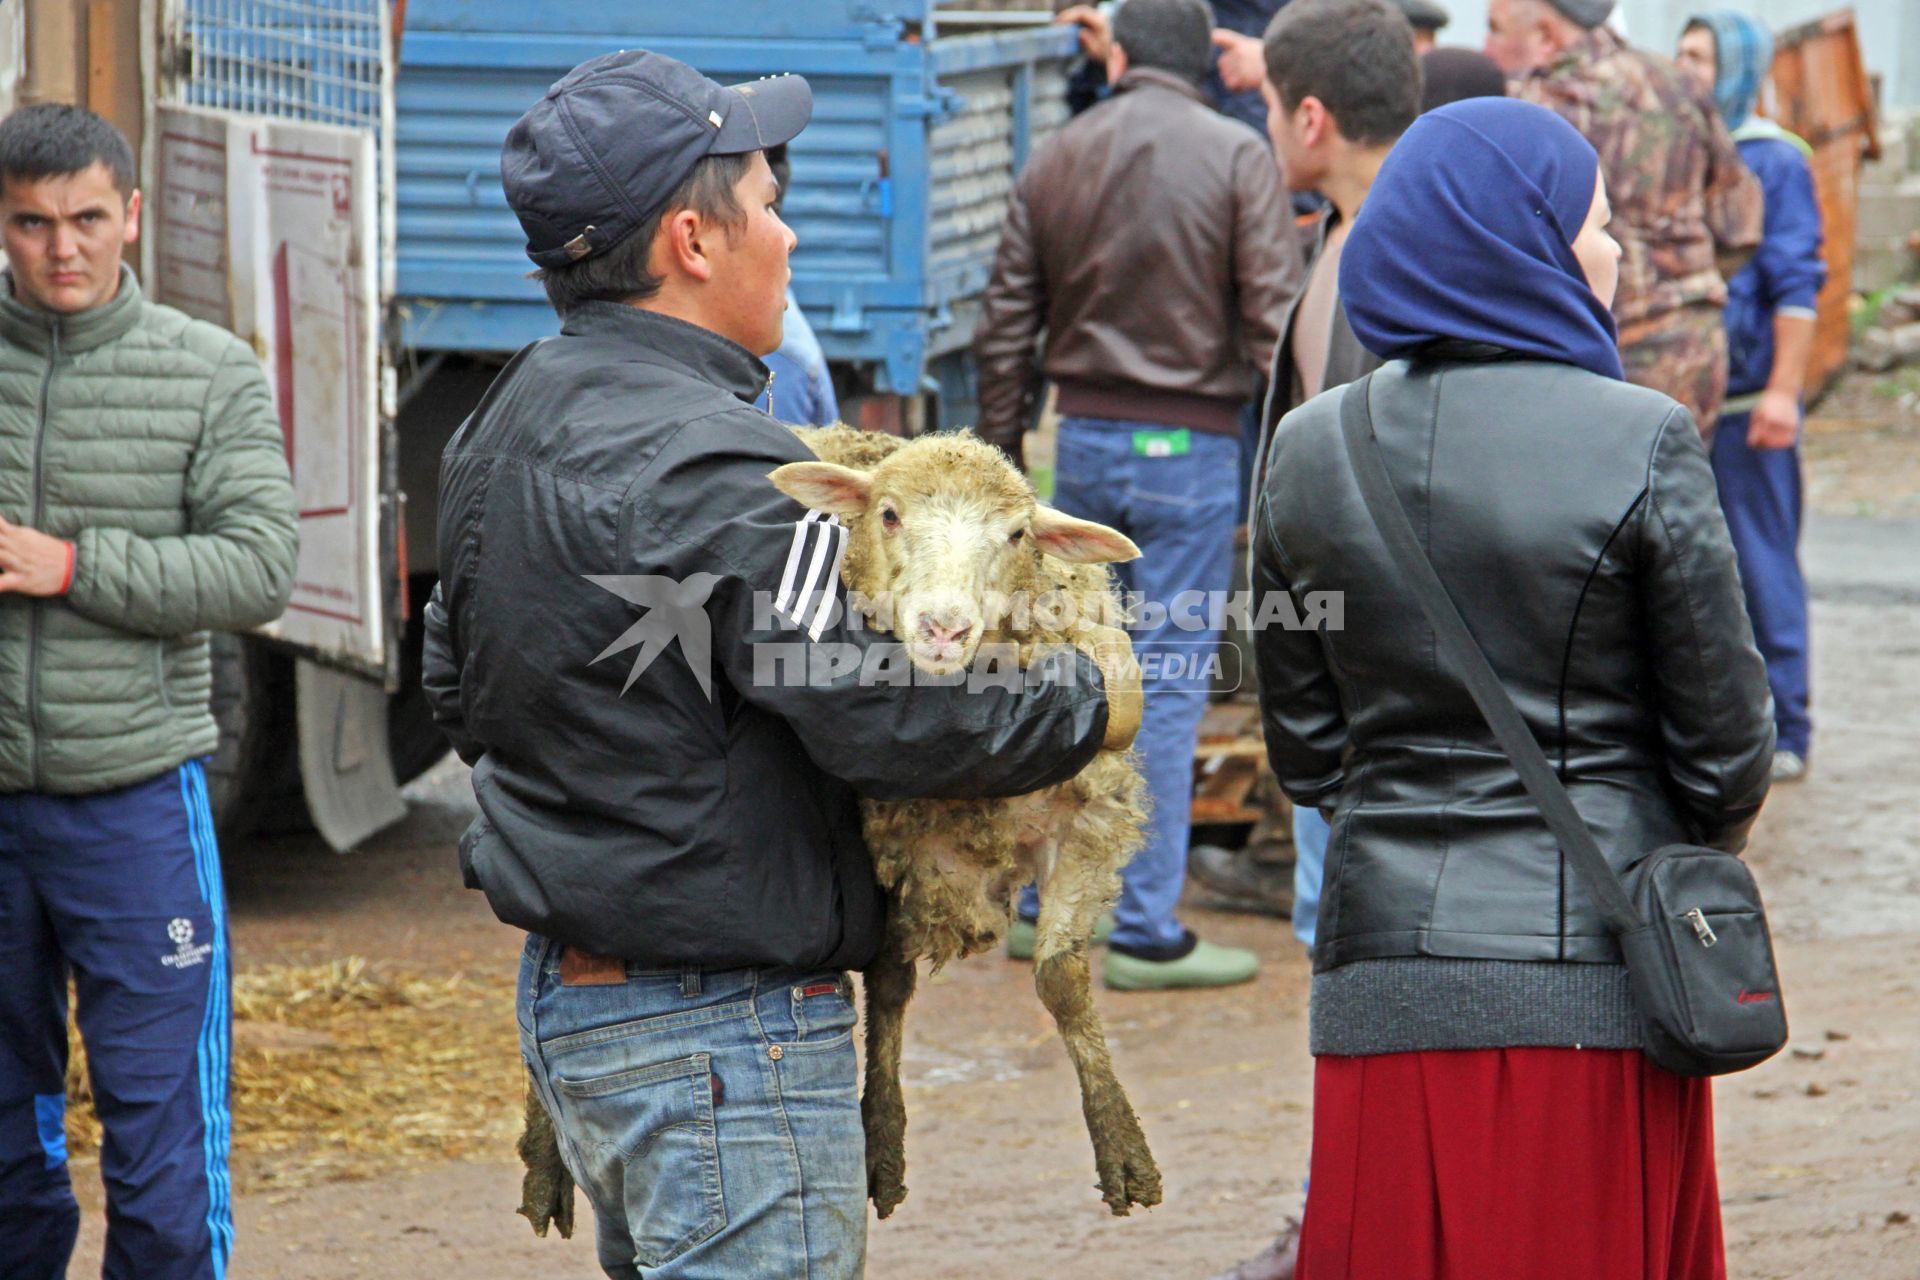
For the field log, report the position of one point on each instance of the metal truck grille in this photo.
(317, 60)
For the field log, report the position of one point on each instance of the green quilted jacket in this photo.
(148, 440)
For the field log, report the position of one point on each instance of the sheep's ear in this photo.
(823, 486)
(1081, 541)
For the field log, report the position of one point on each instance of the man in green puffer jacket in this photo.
(144, 501)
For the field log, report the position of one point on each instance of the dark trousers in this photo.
(1760, 493)
(119, 890)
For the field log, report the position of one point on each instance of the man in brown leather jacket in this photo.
(1150, 241)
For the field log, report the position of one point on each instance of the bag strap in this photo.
(1469, 663)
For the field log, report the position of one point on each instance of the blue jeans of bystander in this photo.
(1310, 832)
(1178, 504)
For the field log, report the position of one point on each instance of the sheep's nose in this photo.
(945, 628)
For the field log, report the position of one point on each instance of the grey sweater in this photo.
(1415, 1003)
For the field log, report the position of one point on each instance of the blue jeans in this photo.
(1180, 510)
(1760, 494)
(1310, 832)
(711, 1116)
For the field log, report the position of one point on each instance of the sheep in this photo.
(942, 530)
(968, 527)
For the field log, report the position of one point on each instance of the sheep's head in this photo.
(942, 530)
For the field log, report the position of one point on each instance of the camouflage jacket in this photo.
(1676, 182)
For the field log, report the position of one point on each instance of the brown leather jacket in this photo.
(1151, 240)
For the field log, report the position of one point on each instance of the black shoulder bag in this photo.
(1694, 934)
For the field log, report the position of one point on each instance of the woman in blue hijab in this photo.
(1504, 206)
(1482, 1106)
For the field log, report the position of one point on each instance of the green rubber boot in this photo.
(1020, 938)
(1207, 965)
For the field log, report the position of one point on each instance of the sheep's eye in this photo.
(889, 517)
(1016, 535)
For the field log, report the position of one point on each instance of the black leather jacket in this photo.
(1575, 522)
(686, 795)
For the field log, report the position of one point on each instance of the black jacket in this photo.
(1575, 523)
(666, 822)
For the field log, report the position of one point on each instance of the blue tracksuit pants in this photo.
(119, 890)
(1760, 493)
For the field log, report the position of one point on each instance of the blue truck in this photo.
(921, 120)
(923, 116)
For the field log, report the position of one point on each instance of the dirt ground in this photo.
(1863, 446)
(1819, 1149)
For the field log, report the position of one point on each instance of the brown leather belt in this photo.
(584, 969)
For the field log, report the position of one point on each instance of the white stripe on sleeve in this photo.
(842, 536)
(802, 530)
(821, 545)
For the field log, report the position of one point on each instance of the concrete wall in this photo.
(1890, 208)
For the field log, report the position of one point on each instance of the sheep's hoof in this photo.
(1128, 1174)
(886, 1157)
(886, 1182)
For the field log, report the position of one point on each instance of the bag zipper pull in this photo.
(1701, 928)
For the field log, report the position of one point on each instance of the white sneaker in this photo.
(1788, 766)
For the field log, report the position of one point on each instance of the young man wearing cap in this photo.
(643, 649)
(1681, 197)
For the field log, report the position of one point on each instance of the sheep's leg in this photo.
(1075, 893)
(883, 1107)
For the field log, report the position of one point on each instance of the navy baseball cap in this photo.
(600, 154)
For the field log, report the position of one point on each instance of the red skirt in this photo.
(1510, 1164)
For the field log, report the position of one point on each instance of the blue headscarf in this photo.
(1467, 235)
(1743, 50)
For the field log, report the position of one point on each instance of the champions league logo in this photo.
(185, 955)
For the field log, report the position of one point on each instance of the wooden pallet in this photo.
(1227, 765)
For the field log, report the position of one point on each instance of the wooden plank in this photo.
(1821, 92)
(1235, 749)
(53, 52)
(1228, 762)
(114, 86)
(1223, 793)
(1224, 720)
(103, 71)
